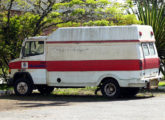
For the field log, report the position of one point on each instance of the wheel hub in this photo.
(22, 87)
(110, 89)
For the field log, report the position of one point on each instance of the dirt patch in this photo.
(8, 104)
(13, 102)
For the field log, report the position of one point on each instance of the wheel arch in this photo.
(24, 75)
(104, 78)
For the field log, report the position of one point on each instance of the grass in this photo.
(5, 87)
(91, 90)
(75, 91)
(162, 83)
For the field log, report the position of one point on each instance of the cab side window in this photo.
(33, 48)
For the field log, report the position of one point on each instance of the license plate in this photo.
(153, 84)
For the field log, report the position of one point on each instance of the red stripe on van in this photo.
(31, 65)
(90, 65)
(94, 65)
(100, 41)
(15, 65)
(103, 41)
(149, 63)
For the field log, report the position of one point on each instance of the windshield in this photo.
(33, 48)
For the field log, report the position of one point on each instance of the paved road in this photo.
(83, 108)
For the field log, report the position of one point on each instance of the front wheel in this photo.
(23, 87)
(110, 89)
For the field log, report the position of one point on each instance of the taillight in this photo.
(152, 33)
(140, 33)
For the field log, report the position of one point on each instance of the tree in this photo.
(152, 12)
(35, 16)
(113, 14)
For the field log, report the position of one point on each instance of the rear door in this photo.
(150, 59)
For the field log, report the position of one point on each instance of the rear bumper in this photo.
(149, 83)
(152, 78)
(152, 83)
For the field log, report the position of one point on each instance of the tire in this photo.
(110, 89)
(128, 92)
(45, 89)
(23, 87)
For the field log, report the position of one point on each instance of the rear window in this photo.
(145, 49)
(152, 49)
(148, 49)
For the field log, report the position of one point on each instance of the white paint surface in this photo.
(102, 33)
(92, 51)
(89, 78)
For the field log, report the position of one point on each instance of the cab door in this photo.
(33, 61)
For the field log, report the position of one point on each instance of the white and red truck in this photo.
(117, 59)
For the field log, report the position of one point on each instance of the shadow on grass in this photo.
(154, 91)
(38, 100)
(68, 98)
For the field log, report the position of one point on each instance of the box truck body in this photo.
(111, 58)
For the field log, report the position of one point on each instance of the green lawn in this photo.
(162, 83)
(75, 91)
(3, 87)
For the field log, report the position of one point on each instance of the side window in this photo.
(145, 49)
(152, 49)
(37, 48)
(33, 48)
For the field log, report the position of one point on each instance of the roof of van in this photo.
(138, 33)
(37, 38)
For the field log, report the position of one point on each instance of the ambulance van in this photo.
(119, 60)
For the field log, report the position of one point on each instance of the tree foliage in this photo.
(152, 12)
(39, 15)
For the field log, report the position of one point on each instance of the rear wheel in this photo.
(129, 92)
(23, 87)
(110, 89)
(45, 89)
